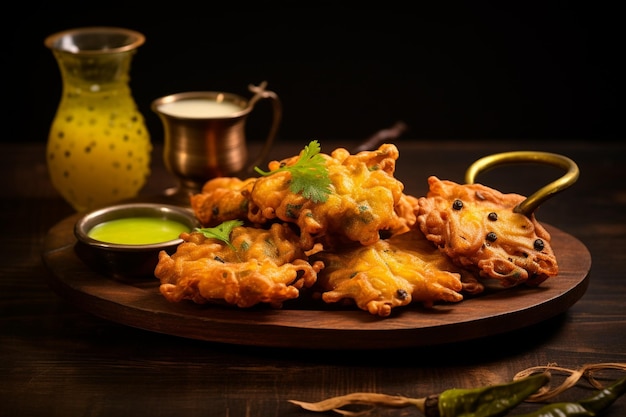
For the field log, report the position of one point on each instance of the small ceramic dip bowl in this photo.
(124, 241)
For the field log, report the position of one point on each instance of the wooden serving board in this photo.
(312, 325)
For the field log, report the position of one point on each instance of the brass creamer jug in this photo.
(205, 136)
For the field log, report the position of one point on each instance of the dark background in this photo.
(491, 70)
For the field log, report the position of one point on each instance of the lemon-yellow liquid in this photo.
(98, 149)
(137, 231)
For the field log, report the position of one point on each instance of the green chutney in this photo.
(138, 230)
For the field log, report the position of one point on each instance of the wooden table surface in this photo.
(59, 360)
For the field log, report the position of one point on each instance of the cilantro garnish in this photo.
(309, 174)
(221, 232)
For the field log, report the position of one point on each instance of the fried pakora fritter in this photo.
(477, 227)
(391, 273)
(222, 199)
(368, 243)
(427, 251)
(261, 266)
(366, 199)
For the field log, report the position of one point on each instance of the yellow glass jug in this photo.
(99, 148)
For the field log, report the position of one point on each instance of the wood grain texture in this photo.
(61, 360)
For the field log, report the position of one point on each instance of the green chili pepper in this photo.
(489, 401)
(589, 407)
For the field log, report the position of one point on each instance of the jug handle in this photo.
(261, 93)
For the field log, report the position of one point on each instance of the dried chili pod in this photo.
(589, 407)
(488, 401)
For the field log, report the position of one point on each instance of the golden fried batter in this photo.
(365, 200)
(368, 244)
(427, 251)
(362, 203)
(477, 228)
(222, 199)
(266, 266)
(392, 273)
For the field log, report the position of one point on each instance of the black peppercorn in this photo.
(492, 237)
(492, 216)
(538, 244)
(402, 294)
(457, 205)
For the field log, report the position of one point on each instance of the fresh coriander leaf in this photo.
(309, 174)
(221, 232)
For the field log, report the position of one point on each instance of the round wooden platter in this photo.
(301, 324)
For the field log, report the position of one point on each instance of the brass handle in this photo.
(261, 93)
(530, 204)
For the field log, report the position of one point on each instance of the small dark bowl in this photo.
(124, 261)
